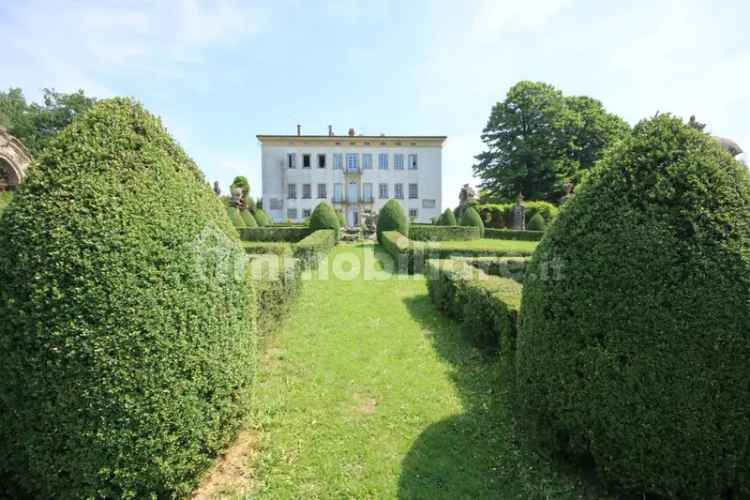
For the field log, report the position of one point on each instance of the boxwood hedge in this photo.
(274, 233)
(635, 353)
(510, 234)
(314, 247)
(471, 218)
(447, 218)
(392, 218)
(277, 282)
(248, 219)
(128, 348)
(323, 217)
(426, 232)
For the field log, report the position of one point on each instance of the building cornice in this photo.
(357, 140)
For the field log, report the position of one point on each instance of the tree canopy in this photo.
(537, 139)
(35, 124)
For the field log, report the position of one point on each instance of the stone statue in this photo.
(237, 197)
(519, 214)
(217, 189)
(570, 192)
(466, 195)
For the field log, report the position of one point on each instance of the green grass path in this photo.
(369, 392)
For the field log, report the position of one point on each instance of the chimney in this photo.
(299, 129)
(351, 132)
(330, 130)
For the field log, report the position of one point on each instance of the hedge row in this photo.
(277, 282)
(500, 215)
(427, 232)
(486, 305)
(506, 267)
(410, 256)
(510, 234)
(267, 247)
(313, 248)
(291, 234)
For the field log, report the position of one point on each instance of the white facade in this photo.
(354, 173)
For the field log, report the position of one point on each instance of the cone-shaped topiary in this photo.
(635, 324)
(340, 217)
(447, 218)
(128, 348)
(470, 217)
(323, 217)
(262, 218)
(248, 219)
(235, 216)
(536, 223)
(392, 218)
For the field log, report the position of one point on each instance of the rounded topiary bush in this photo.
(392, 218)
(634, 339)
(235, 216)
(470, 217)
(248, 219)
(323, 217)
(447, 218)
(340, 217)
(536, 223)
(127, 337)
(262, 218)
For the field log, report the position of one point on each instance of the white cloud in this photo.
(494, 17)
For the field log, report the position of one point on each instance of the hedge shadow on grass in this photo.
(478, 454)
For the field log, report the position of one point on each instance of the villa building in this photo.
(355, 173)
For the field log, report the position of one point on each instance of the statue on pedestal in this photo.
(570, 192)
(519, 214)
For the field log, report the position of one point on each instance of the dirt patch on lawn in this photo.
(365, 405)
(230, 474)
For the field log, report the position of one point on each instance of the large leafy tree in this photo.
(537, 139)
(35, 124)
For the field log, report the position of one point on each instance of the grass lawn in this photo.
(492, 244)
(369, 392)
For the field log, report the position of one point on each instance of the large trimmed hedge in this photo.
(128, 352)
(323, 217)
(248, 219)
(273, 233)
(510, 234)
(635, 334)
(447, 218)
(277, 282)
(422, 232)
(314, 247)
(471, 218)
(392, 218)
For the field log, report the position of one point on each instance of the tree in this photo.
(35, 124)
(537, 139)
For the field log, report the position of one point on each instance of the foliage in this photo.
(634, 340)
(536, 223)
(510, 234)
(5, 199)
(313, 248)
(36, 124)
(340, 217)
(392, 218)
(419, 232)
(500, 215)
(273, 233)
(128, 349)
(323, 217)
(537, 139)
(268, 247)
(277, 282)
(262, 218)
(235, 216)
(248, 219)
(506, 267)
(447, 218)
(241, 182)
(471, 217)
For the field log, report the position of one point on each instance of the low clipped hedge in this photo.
(273, 233)
(500, 215)
(486, 305)
(443, 233)
(128, 349)
(314, 247)
(268, 247)
(277, 283)
(248, 219)
(410, 256)
(506, 267)
(510, 234)
(236, 217)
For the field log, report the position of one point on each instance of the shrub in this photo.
(510, 234)
(392, 218)
(506, 267)
(124, 370)
(447, 218)
(536, 223)
(248, 219)
(471, 218)
(313, 248)
(277, 281)
(267, 247)
(500, 215)
(340, 217)
(636, 352)
(420, 232)
(262, 218)
(323, 217)
(275, 233)
(236, 217)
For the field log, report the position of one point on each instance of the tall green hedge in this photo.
(471, 217)
(323, 217)
(634, 340)
(128, 349)
(392, 218)
(235, 216)
(262, 218)
(447, 218)
(248, 219)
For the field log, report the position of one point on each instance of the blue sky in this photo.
(218, 73)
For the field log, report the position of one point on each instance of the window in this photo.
(306, 213)
(412, 162)
(367, 161)
(322, 191)
(338, 192)
(306, 160)
(338, 161)
(398, 191)
(398, 161)
(352, 162)
(413, 213)
(291, 160)
(291, 213)
(321, 161)
(291, 192)
(383, 191)
(413, 191)
(276, 204)
(367, 192)
(428, 203)
(307, 191)
(383, 161)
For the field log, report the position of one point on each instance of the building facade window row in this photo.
(366, 192)
(353, 161)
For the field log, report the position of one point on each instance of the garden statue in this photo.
(217, 189)
(519, 214)
(237, 197)
(467, 195)
(570, 192)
